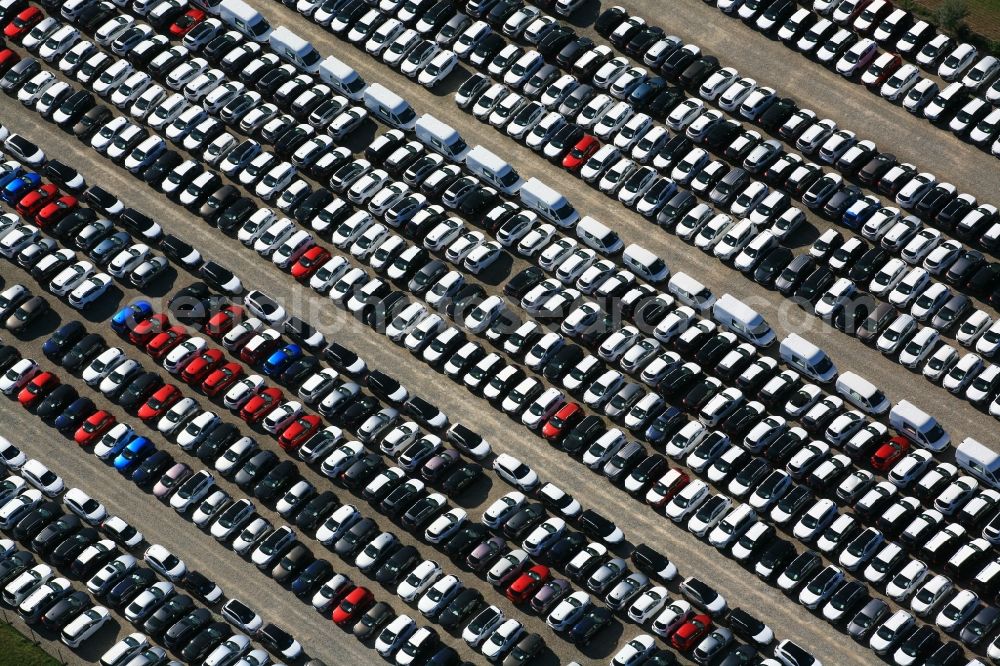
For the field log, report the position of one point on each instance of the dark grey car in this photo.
(867, 619)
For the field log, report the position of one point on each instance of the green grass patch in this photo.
(983, 19)
(17, 649)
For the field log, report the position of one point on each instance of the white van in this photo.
(542, 199)
(645, 264)
(342, 76)
(807, 358)
(979, 460)
(492, 170)
(861, 393)
(598, 236)
(296, 50)
(918, 426)
(440, 138)
(690, 292)
(389, 107)
(245, 18)
(736, 316)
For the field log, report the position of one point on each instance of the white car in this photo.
(416, 583)
(906, 582)
(438, 69)
(165, 563)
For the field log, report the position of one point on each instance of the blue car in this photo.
(74, 415)
(152, 468)
(281, 359)
(17, 188)
(664, 426)
(137, 450)
(63, 339)
(10, 175)
(130, 315)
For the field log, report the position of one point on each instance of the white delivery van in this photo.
(645, 264)
(807, 358)
(244, 18)
(342, 76)
(440, 138)
(389, 107)
(861, 393)
(598, 236)
(736, 316)
(979, 460)
(493, 170)
(918, 426)
(690, 292)
(296, 50)
(548, 203)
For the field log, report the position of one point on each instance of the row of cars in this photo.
(73, 543)
(852, 30)
(615, 173)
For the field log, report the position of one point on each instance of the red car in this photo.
(37, 389)
(299, 431)
(352, 606)
(198, 368)
(161, 343)
(528, 583)
(883, 66)
(309, 262)
(665, 490)
(56, 210)
(890, 453)
(220, 379)
(689, 634)
(222, 321)
(185, 22)
(147, 328)
(94, 427)
(7, 60)
(23, 23)
(160, 402)
(581, 152)
(562, 421)
(258, 406)
(258, 347)
(35, 200)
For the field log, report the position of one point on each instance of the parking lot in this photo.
(754, 54)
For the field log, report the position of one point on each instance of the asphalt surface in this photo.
(695, 22)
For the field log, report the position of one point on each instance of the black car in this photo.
(291, 564)
(55, 402)
(572, 51)
(184, 629)
(83, 352)
(255, 468)
(794, 274)
(460, 609)
(150, 469)
(129, 587)
(398, 566)
(776, 114)
(206, 640)
(523, 282)
(464, 542)
(66, 552)
(139, 389)
(610, 19)
(588, 626)
(775, 558)
(35, 520)
(168, 614)
(59, 614)
(771, 266)
(54, 533)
